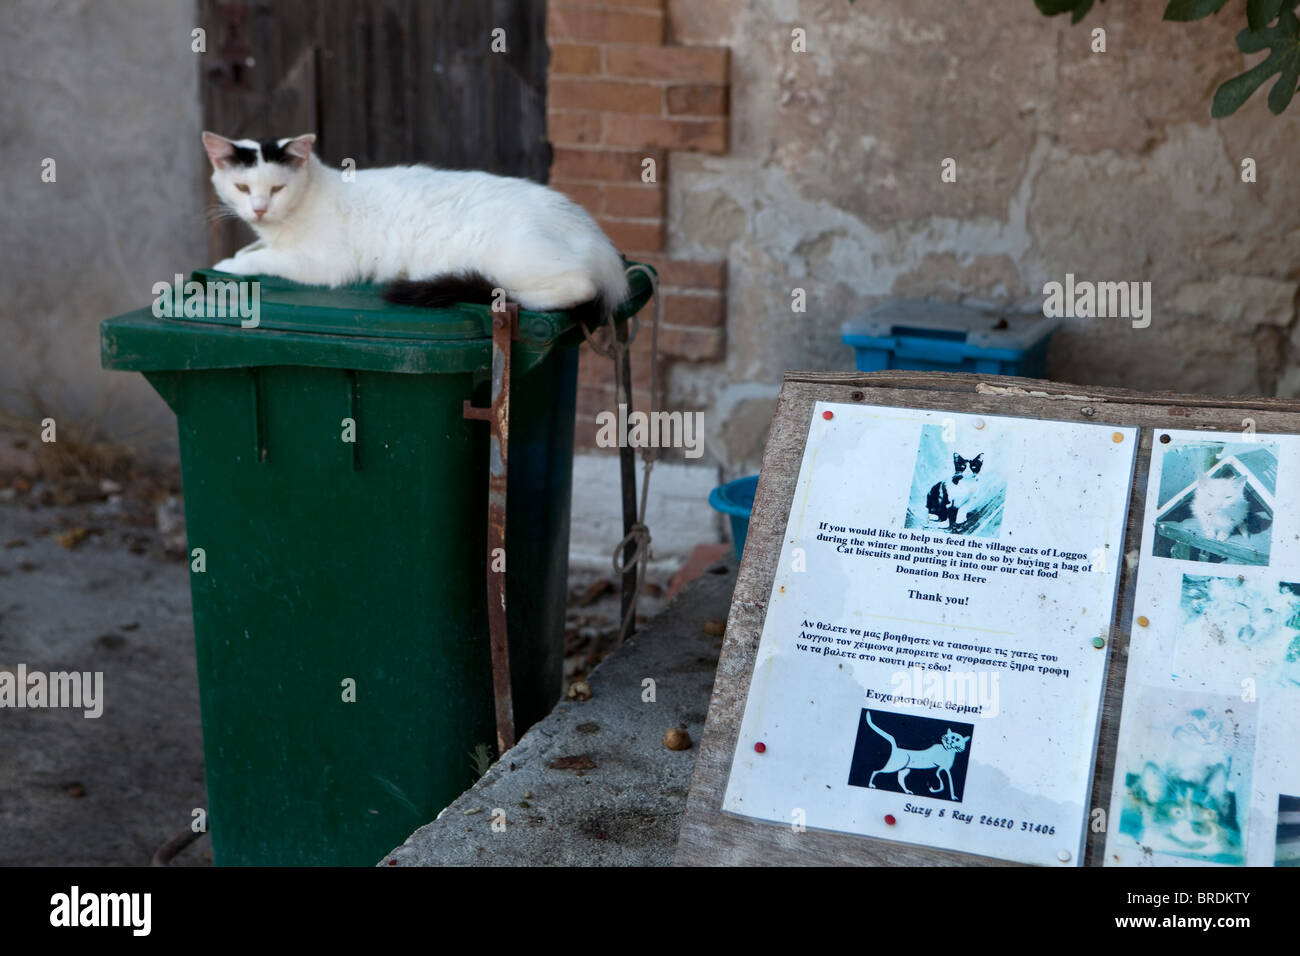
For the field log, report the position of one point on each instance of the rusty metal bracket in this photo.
(505, 326)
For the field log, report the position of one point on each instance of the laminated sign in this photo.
(1206, 772)
(933, 655)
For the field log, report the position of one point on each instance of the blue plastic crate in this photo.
(941, 337)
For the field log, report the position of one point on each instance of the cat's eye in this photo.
(275, 189)
(241, 187)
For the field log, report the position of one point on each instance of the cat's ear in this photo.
(300, 148)
(1216, 787)
(979, 457)
(221, 151)
(956, 460)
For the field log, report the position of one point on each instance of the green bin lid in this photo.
(346, 327)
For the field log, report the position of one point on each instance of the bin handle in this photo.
(505, 325)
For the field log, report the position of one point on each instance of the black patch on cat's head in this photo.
(243, 155)
(960, 464)
(273, 152)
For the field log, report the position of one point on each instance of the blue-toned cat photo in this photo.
(1216, 502)
(1182, 783)
(957, 487)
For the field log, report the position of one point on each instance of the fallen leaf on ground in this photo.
(72, 537)
(574, 762)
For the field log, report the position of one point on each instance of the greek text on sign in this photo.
(934, 650)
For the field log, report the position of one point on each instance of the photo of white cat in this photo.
(1216, 502)
(435, 236)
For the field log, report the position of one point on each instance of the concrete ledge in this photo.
(621, 802)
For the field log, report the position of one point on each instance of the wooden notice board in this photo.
(710, 836)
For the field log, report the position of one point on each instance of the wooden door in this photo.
(380, 82)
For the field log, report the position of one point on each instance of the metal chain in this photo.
(639, 536)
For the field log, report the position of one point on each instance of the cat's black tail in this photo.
(441, 292)
(445, 291)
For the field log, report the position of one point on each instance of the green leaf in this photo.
(1192, 9)
(1260, 13)
(1076, 8)
(1282, 40)
(1232, 93)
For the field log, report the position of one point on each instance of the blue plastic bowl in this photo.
(735, 499)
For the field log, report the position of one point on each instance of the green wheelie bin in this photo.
(336, 504)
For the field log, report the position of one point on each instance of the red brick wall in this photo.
(616, 96)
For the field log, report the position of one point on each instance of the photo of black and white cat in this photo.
(956, 486)
(950, 499)
(1216, 502)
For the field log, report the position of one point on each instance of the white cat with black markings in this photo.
(435, 236)
(950, 500)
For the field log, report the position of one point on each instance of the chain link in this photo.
(638, 538)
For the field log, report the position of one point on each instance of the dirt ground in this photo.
(93, 578)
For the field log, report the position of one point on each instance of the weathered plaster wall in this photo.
(1106, 165)
(110, 92)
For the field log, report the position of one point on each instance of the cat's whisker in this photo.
(218, 212)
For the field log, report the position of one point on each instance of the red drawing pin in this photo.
(828, 414)
(760, 747)
(889, 819)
